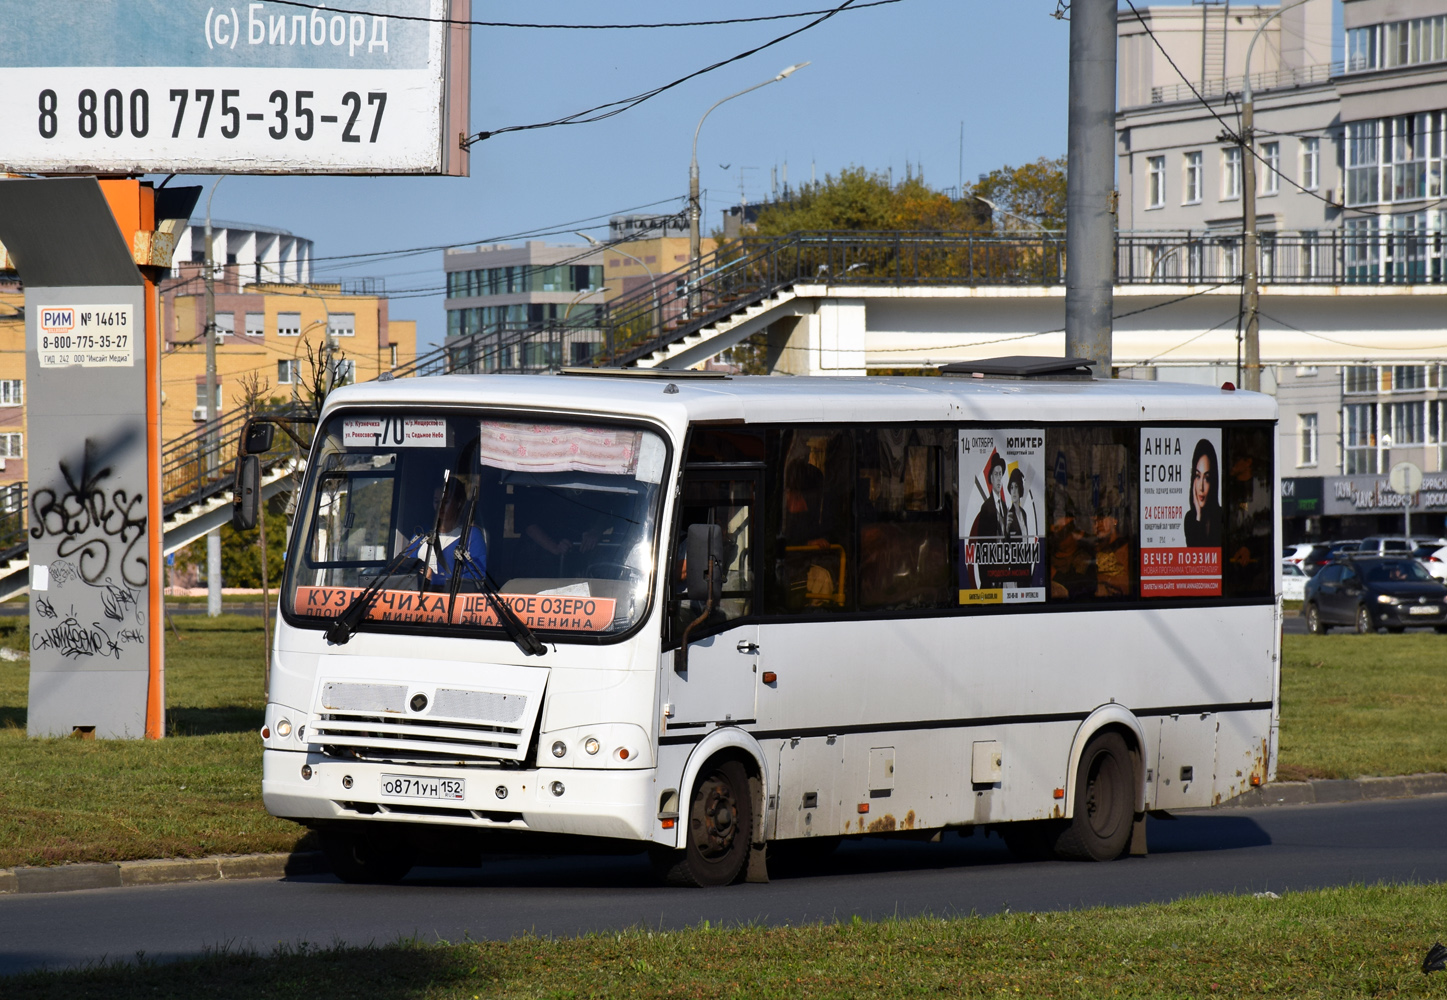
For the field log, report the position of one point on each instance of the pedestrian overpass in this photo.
(832, 303)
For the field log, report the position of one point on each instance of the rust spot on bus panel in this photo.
(1058, 812)
(884, 824)
(908, 822)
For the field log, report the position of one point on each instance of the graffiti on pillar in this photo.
(100, 525)
(72, 626)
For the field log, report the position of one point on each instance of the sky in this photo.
(888, 87)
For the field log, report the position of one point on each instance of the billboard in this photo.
(197, 86)
(1181, 513)
(1002, 493)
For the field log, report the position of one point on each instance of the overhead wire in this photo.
(611, 108)
(572, 27)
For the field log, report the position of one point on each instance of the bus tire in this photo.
(366, 857)
(720, 821)
(1104, 802)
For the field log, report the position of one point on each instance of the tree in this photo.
(1033, 191)
(858, 199)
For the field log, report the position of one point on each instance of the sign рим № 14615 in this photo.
(89, 336)
(256, 87)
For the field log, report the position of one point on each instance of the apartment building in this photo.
(1349, 159)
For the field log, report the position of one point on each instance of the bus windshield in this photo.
(428, 512)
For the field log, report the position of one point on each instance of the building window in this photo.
(393, 355)
(1359, 379)
(255, 324)
(12, 392)
(288, 324)
(1359, 438)
(1310, 163)
(1157, 191)
(1271, 167)
(1409, 43)
(225, 326)
(1306, 429)
(286, 372)
(342, 324)
(1361, 163)
(344, 371)
(1408, 378)
(1361, 49)
(1191, 181)
(1406, 423)
(1231, 173)
(12, 445)
(201, 397)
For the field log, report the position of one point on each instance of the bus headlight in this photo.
(283, 727)
(591, 745)
(559, 748)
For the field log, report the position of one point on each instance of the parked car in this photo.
(1295, 553)
(1388, 545)
(1372, 592)
(1325, 554)
(1293, 581)
(1434, 557)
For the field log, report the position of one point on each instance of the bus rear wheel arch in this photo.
(719, 822)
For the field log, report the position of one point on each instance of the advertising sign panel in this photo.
(197, 86)
(1002, 494)
(1181, 520)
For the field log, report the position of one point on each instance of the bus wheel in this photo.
(1104, 802)
(720, 826)
(366, 857)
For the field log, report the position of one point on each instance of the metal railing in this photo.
(197, 466)
(1218, 87)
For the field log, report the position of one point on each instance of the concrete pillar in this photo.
(840, 338)
(213, 573)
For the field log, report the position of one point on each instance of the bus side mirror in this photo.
(246, 499)
(705, 563)
(259, 437)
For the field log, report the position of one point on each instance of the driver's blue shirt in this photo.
(440, 564)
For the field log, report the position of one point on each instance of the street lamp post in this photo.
(693, 206)
(1251, 281)
(213, 538)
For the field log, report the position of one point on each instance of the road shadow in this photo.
(1203, 831)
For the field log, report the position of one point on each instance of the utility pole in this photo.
(1090, 197)
(213, 538)
(1251, 279)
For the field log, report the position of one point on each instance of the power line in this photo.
(574, 27)
(608, 110)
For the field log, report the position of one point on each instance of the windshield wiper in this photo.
(516, 629)
(342, 627)
(464, 539)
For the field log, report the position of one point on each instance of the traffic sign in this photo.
(1405, 478)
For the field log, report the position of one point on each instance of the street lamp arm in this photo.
(789, 71)
(1246, 82)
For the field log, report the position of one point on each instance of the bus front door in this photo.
(719, 675)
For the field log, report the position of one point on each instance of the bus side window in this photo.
(906, 517)
(729, 503)
(1248, 496)
(1091, 503)
(813, 557)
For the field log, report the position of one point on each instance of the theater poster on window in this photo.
(1181, 518)
(1002, 497)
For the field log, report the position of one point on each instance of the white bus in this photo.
(703, 614)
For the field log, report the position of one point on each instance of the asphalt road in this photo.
(1281, 849)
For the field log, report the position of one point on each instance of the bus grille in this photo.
(393, 738)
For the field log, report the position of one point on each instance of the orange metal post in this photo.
(133, 204)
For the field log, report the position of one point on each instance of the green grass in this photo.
(1351, 942)
(195, 793)
(1351, 705)
(1355, 705)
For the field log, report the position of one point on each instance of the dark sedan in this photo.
(1370, 593)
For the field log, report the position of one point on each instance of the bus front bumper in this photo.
(594, 803)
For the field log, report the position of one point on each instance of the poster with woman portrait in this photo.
(1002, 496)
(1181, 519)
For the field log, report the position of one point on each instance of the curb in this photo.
(1326, 791)
(69, 878)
